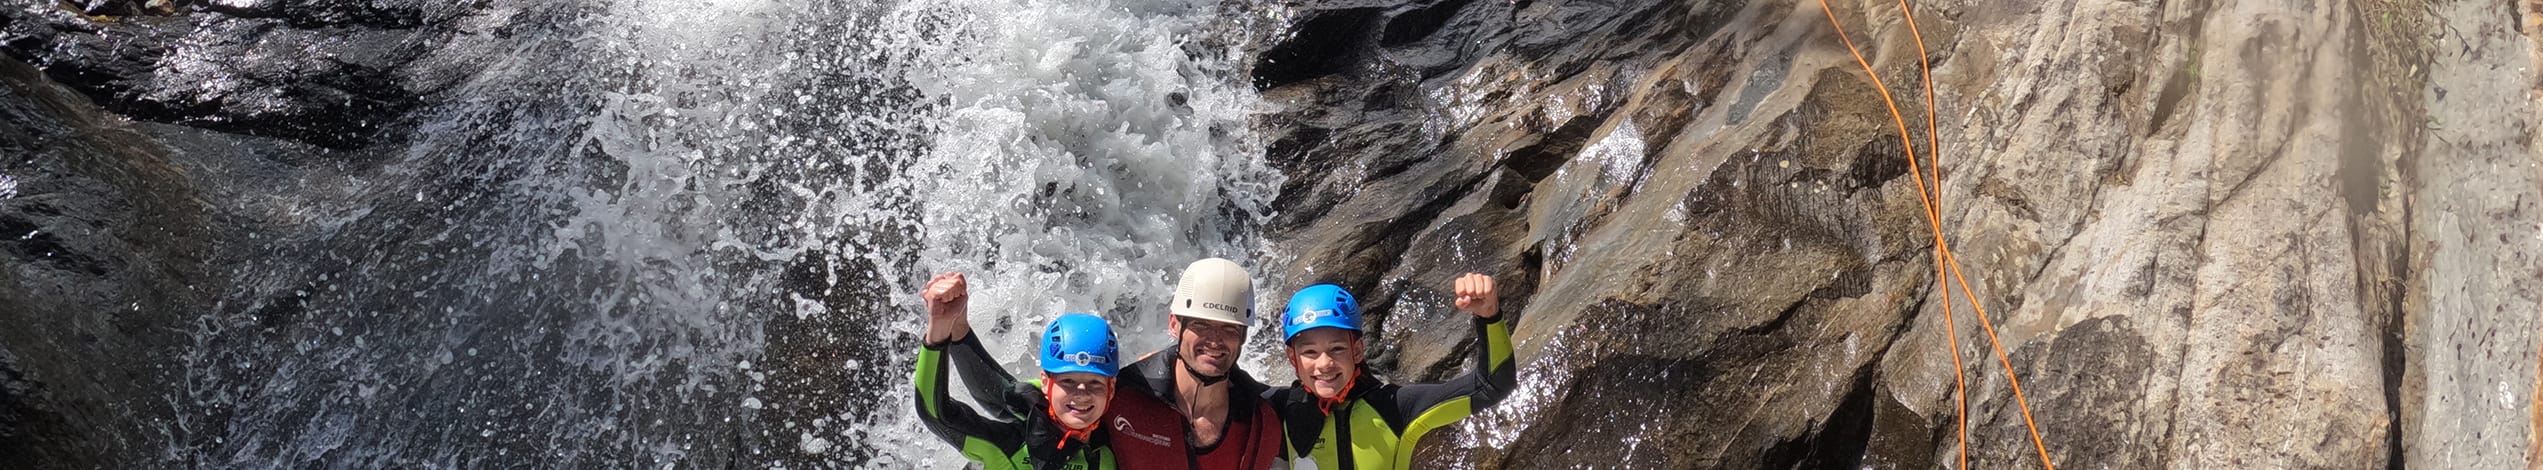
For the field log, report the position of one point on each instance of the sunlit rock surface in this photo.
(2207, 234)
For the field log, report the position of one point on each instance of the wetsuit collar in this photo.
(1051, 410)
(1044, 432)
(1360, 384)
(1155, 373)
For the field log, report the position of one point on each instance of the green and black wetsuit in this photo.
(1377, 424)
(1025, 438)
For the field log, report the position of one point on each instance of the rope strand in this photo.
(1934, 156)
(1933, 221)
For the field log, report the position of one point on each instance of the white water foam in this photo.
(1085, 155)
(1067, 175)
(1076, 156)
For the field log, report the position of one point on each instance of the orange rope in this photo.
(2018, 399)
(1934, 154)
(1933, 220)
(1959, 380)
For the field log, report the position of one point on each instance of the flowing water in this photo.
(688, 233)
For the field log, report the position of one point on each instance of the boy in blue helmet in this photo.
(1340, 416)
(1054, 427)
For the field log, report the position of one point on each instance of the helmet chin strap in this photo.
(1325, 403)
(1186, 361)
(1050, 389)
(1206, 380)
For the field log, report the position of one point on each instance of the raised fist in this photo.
(1476, 295)
(948, 299)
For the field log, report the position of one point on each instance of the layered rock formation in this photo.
(2206, 234)
(329, 72)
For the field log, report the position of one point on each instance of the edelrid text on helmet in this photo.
(1079, 342)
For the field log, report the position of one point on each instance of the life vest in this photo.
(1148, 433)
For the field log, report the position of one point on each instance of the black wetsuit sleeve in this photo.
(988, 381)
(1301, 423)
(955, 422)
(1497, 375)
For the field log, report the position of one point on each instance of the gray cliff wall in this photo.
(2208, 234)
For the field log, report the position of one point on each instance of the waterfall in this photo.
(684, 233)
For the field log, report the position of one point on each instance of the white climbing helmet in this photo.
(1215, 289)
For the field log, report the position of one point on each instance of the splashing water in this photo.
(684, 233)
(1134, 151)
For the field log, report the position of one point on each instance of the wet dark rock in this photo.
(1325, 43)
(126, 237)
(104, 264)
(328, 72)
(387, 14)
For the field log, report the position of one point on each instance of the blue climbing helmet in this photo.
(1079, 342)
(1319, 306)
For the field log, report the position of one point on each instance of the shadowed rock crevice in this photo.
(1419, 22)
(1842, 441)
(1539, 159)
(1324, 42)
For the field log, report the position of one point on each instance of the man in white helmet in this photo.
(1189, 406)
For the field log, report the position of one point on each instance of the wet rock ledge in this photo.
(335, 73)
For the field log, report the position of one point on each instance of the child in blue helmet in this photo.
(1049, 423)
(1339, 416)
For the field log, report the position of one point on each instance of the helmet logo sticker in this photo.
(1311, 315)
(1084, 358)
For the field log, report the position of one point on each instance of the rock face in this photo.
(2193, 226)
(126, 238)
(2475, 285)
(328, 72)
(123, 236)
(105, 260)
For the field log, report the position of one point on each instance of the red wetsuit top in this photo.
(1147, 432)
